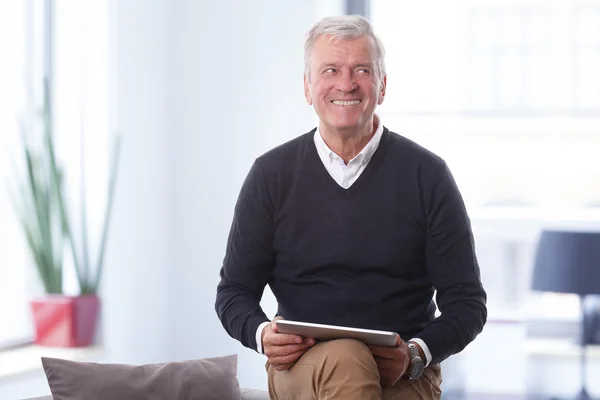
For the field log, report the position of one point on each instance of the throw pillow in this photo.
(209, 378)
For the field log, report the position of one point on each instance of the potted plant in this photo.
(42, 208)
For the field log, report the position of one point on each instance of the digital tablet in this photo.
(330, 332)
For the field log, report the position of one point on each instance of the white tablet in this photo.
(330, 332)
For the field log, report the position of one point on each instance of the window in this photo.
(586, 57)
(506, 57)
(508, 93)
(21, 46)
(68, 43)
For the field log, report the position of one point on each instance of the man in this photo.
(351, 224)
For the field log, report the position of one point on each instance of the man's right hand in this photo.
(283, 349)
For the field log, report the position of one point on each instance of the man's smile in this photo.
(346, 102)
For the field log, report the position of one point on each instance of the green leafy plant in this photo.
(42, 208)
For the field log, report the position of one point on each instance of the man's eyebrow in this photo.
(359, 65)
(327, 64)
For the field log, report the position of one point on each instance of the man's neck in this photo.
(348, 144)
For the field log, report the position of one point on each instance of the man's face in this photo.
(344, 87)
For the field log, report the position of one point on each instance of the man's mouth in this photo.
(346, 102)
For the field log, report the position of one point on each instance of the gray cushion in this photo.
(209, 378)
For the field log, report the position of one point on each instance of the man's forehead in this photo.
(331, 40)
(360, 47)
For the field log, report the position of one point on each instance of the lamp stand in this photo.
(583, 393)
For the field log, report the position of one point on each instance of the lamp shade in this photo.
(567, 262)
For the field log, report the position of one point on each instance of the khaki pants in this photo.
(345, 369)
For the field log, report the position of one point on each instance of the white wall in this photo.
(235, 91)
(136, 293)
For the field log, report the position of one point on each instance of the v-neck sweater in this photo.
(369, 256)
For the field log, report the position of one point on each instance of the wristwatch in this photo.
(416, 363)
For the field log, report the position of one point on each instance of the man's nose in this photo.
(346, 82)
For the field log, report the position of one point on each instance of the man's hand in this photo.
(282, 349)
(392, 362)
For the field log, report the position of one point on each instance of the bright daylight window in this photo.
(508, 93)
(75, 54)
(21, 41)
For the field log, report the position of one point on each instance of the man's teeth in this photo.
(346, 102)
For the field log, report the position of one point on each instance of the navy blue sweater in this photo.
(370, 256)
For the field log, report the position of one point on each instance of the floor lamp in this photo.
(569, 262)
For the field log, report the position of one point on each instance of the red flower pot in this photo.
(65, 321)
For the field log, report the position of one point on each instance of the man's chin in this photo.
(342, 126)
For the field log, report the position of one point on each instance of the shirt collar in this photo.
(328, 155)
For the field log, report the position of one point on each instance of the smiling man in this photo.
(344, 81)
(351, 224)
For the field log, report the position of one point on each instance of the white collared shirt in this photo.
(345, 176)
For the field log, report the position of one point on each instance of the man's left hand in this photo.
(392, 362)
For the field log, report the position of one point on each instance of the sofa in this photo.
(247, 394)
(212, 378)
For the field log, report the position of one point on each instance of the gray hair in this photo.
(345, 27)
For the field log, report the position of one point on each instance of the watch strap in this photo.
(415, 370)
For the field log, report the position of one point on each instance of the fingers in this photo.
(282, 339)
(391, 362)
(385, 352)
(388, 372)
(274, 325)
(283, 349)
(379, 351)
(385, 364)
(282, 363)
(273, 337)
(387, 382)
(388, 352)
(278, 351)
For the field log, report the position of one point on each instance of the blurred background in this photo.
(506, 91)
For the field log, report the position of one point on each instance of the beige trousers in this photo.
(345, 369)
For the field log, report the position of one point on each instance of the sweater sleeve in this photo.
(248, 261)
(453, 268)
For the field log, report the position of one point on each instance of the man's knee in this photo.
(347, 355)
(336, 369)
(347, 350)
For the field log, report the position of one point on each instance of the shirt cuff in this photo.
(425, 350)
(259, 348)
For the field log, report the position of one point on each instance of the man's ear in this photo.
(382, 90)
(307, 93)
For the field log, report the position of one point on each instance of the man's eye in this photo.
(364, 71)
(330, 70)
